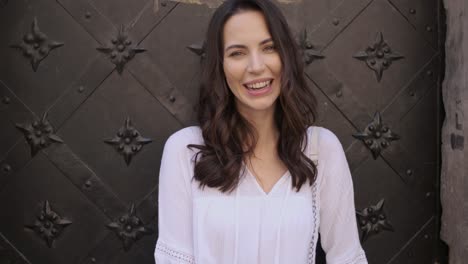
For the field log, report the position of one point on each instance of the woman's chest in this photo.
(255, 214)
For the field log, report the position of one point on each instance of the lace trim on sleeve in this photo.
(358, 259)
(174, 254)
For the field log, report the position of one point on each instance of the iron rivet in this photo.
(88, 184)
(429, 73)
(426, 236)
(336, 21)
(429, 28)
(88, 15)
(428, 194)
(412, 11)
(411, 94)
(6, 100)
(163, 3)
(6, 168)
(409, 172)
(81, 89)
(339, 93)
(93, 260)
(172, 98)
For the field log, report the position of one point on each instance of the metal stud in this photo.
(88, 184)
(6, 100)
(339, 93)
(6, 168)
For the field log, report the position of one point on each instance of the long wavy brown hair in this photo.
(229, 138)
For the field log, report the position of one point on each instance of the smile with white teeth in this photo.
(259, 85)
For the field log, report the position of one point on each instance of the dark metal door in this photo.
(91, 89)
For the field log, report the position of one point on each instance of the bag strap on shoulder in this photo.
(313, 144)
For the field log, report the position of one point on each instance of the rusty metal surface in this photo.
(91, 89)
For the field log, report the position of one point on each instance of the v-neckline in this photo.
(258, 185)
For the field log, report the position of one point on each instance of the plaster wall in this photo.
(454, 171)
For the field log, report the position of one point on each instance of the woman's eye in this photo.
(235, 54)
(270, 48)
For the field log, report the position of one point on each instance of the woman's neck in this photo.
(267, 132)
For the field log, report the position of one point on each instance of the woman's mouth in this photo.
(259, 88)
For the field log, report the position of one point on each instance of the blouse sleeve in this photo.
(175, 243)
(338, 228)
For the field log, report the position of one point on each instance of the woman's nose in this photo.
(256, 63)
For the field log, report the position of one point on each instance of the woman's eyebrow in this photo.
(265, 41)
(243, 46)
(235, 46)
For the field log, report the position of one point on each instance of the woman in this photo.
(243, 187)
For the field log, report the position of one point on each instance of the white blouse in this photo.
(249, 226)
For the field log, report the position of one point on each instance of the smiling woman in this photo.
(251, 64)
(255, 183)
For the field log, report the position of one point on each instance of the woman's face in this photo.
(252, 65)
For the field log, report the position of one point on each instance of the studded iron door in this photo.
(91, 89)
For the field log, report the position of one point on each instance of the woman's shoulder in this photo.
(327, 140)
(184, 137)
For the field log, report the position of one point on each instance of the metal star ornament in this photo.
(39, 134)
(49, 225)
(372, 220)
(128, 141)
(36, 46)
(122, 49)
(310, 52)
(129, 228)
(377, 136)
(199, 49)
(378, 56)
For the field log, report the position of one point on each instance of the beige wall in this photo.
(454, 181)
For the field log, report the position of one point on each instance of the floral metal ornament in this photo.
(129, 228)
(372, 220)
(128, 141)
(309, 51)
(49, 225)
(199, 49)
(122, 49)
(377, 136)
(39, 134)
(378, 56)
(36, 46)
